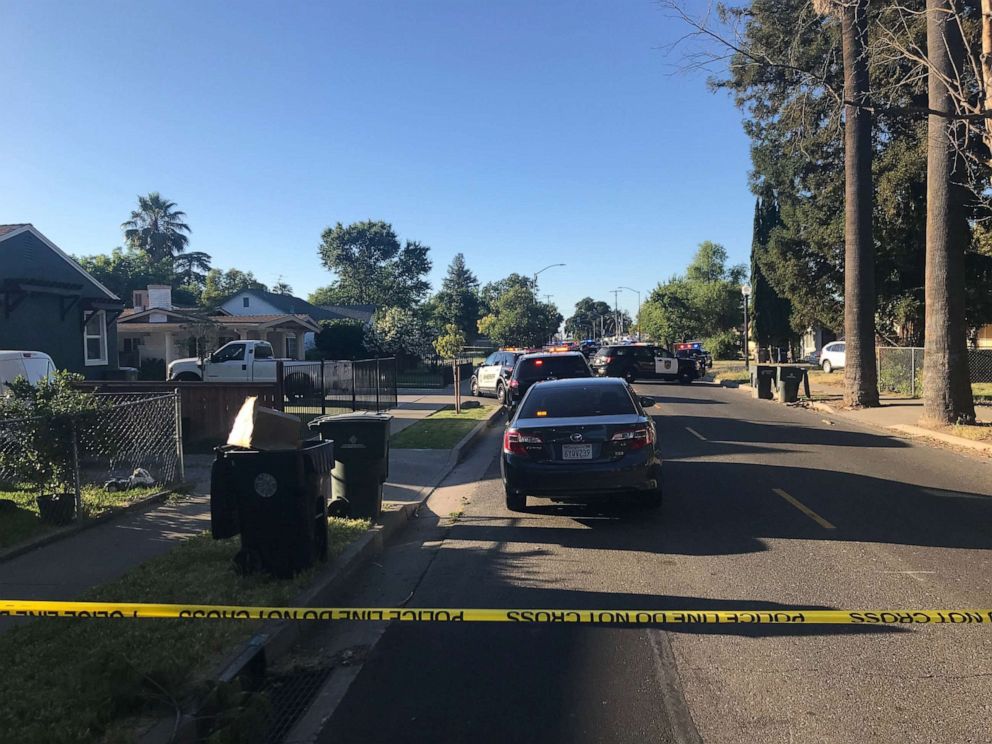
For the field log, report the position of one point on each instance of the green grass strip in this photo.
(441, 430)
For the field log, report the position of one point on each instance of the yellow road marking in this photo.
(805, 509)
(695, 433)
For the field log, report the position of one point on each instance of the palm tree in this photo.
(860, 371)
(192, 267)
(156, 227)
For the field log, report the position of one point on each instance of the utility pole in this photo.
(616, 312)
(631, 289)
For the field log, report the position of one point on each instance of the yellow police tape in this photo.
(27, 608)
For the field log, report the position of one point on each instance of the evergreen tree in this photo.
(458, 301)
(771, 312)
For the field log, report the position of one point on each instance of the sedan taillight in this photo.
(515, 443)
(634, 438)
(514, 383)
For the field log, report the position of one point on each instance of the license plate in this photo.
(576, 452)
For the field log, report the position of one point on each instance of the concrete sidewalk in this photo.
(66, 568)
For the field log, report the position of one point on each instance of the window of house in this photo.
(291, 347)
(244, 300)
(95, 338)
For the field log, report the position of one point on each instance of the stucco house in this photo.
(155, 329)
(49, 303)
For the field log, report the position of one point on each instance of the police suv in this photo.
(492, 377)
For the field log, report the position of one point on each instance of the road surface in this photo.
(765, 507)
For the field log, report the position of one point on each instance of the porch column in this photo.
(170, 353)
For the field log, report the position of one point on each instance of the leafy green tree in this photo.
(591, 316)
(373, 267)
(219, 285)
(281, 287)
(491, 292)
(341, 339)
(123, 271)
(517, 318)
(450, 343)
(156, 227)
(402, 333)
(457, 302)
(332, 294)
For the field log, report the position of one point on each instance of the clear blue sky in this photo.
(520, 133)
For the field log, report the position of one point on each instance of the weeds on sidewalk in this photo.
(86, 680)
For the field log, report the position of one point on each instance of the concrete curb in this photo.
(248, 663)
(142, 504)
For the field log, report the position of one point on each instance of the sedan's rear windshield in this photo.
(554, 401)
(552, 366)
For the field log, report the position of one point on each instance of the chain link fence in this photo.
(130, 431)
(900, 369)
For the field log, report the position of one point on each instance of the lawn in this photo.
(730, 370)
(982, 391)
(441, 430)
(19, 519)
(91, 680)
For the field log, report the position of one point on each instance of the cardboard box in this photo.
(259, 428)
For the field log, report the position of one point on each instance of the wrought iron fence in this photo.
(130, 431)
(314, 388)
(900, 368)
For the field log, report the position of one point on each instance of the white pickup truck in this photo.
(243, 361)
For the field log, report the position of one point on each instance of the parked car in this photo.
(702, 356)
(588, 348)
(492, 377)
(580, 439)
(832, 356)
(533, 368)
(34, 366)
(644, 362)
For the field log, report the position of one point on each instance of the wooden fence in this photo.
(208, 408)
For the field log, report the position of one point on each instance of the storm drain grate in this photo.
(290, 695)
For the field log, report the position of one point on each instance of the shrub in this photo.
(724, 345)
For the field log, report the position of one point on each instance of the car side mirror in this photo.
(213, 358)
(647, 402)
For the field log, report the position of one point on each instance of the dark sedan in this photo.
(580, 438)
(533, 368)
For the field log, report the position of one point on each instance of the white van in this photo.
(34, 365)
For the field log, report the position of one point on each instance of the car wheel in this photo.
(515, 501)
(187, 377)
(827, 366)
(475, 388)
(501, 394)
(685, 378)
(629, 376)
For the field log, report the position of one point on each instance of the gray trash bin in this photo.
(361, 461)
(789, 379)
(762, 378)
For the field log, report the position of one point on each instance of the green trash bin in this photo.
(361, 461)
(762, 378)
(789, 379)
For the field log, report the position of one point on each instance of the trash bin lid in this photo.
(358, 416)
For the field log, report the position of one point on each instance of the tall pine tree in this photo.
(458, 301)
(771, 312)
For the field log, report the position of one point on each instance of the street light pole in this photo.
(745, 293)
(616, 313)
(549, 266)
(638, 310)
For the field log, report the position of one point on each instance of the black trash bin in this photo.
(762, 377)
(277, 501)
(789, 379)
(361, 461)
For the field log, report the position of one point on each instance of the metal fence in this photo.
(315, 388)
(129, 431)
(900, 368)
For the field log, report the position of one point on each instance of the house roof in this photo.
(297, 306)
(132, 315)
(246, 322)
(9, 231)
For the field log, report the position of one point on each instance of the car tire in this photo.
(827, 366)
(629, 376)
(475, 388)
(515, 500)
(187, 377)
(685, 378)
(501, 393)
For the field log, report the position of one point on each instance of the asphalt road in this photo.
(765, 507)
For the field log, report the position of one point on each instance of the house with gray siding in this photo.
(49, 303)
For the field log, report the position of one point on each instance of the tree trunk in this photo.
(860, 371)
(987, 68)
(946, 387)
